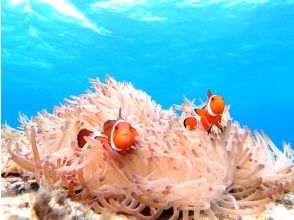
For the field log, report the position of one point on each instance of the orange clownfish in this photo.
(209, 115)
(118, 134)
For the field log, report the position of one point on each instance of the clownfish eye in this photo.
(212, 98)
(116, 127)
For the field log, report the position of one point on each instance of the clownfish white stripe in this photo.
(198, 118)
(97, 134)
(210, 112)
(208, 122)
(112, 145)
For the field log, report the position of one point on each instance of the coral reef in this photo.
(234, 172)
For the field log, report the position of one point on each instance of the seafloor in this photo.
(25, 199)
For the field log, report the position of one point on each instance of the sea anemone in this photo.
(234, 172)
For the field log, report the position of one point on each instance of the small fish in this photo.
(119, 134)
(209, 115)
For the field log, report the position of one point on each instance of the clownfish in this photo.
(210, 114)
(118, 134)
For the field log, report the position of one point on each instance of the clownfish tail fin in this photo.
(190, 122)
(80, 137)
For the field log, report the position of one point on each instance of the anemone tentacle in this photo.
(235, 172)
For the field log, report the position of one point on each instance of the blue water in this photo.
(242, 49)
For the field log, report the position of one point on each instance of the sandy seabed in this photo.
(24, 199)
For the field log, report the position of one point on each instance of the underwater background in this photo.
(241, 49)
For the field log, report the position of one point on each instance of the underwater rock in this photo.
(171, 172)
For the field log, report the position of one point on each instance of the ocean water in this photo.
(241, 49)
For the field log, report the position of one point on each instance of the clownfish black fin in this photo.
(119, 113)
(185, 122)
(209, 93)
